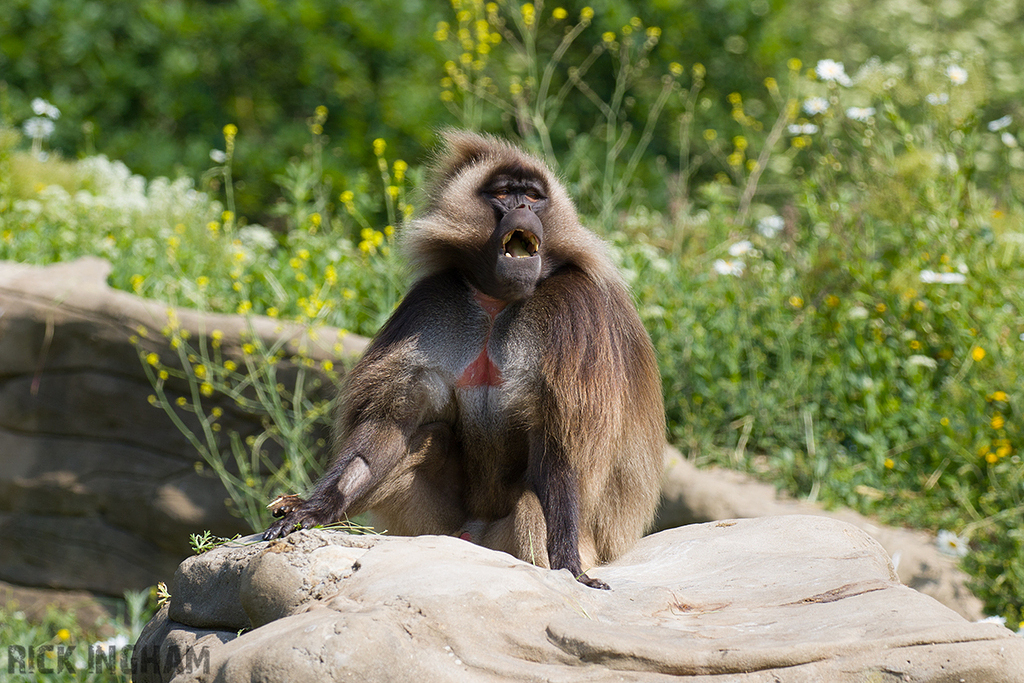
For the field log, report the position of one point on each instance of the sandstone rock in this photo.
(794, 598)
(692, 495)
(98, 488)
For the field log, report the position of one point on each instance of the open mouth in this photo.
(520, 244)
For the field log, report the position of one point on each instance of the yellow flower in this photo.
(327, 365)
(231, 365)
(944, 422)
(978, 353)
(163, 374)
(653, 33)
(889, 464)
(998, 421)
(152, 359)
(346, 197)
(608, 37)
(915, 345)
(330, 275)
(272, 312)
(528, 12)
(698, 71)
(63, 634)
(796, 301)
(181, 401)
(379, 145)
(587, 13)
(559, 13)
(304, 254)
(244, 307)
(400, 168)
(675, 68)
(248, 349)
(999, 396)
(199, 371)
(832, 300)
(794, 64)
(202, 281)
(880, 307)
(206, 389)
(152, 400)
(230, 131)
(216, 335)
(710, 134)
(991, 458)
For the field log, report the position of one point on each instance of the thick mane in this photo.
(451, 226)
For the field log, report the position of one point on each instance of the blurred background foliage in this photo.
(151, 83)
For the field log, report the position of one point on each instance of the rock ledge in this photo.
(794, 598)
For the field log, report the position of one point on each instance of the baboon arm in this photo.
(557, 486)
(367, 457)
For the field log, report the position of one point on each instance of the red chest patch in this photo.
(482, 372)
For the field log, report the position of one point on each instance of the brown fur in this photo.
(558, 462)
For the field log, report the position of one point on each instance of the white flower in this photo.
(992, 620)
(769, 226)
(860, 113)
(858, 313)
(43, 108)
(218, 156)
(1009, 139)
(734, 268)
(118, 642)
(801, 129)
(1000, 123)
(951, 544)
(39, 128)
(937, 99)
(957, 74)
(815, 105)
(919, 361)
(831, 70)
(931, 277)
(258, 236)
(740, 248)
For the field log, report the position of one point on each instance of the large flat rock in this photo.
(794, 598)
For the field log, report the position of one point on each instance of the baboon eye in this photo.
(532, 196)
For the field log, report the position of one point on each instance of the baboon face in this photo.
(513, 255)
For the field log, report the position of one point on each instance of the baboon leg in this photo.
(522, 533)
(423, 494)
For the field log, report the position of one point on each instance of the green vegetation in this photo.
(59, 648)
(828, 262)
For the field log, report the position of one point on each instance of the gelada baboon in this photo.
(513, 397)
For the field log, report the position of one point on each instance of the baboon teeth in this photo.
(520, 244)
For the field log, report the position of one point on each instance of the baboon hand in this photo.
(282, 505)
(593, 583)
(294, 513)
